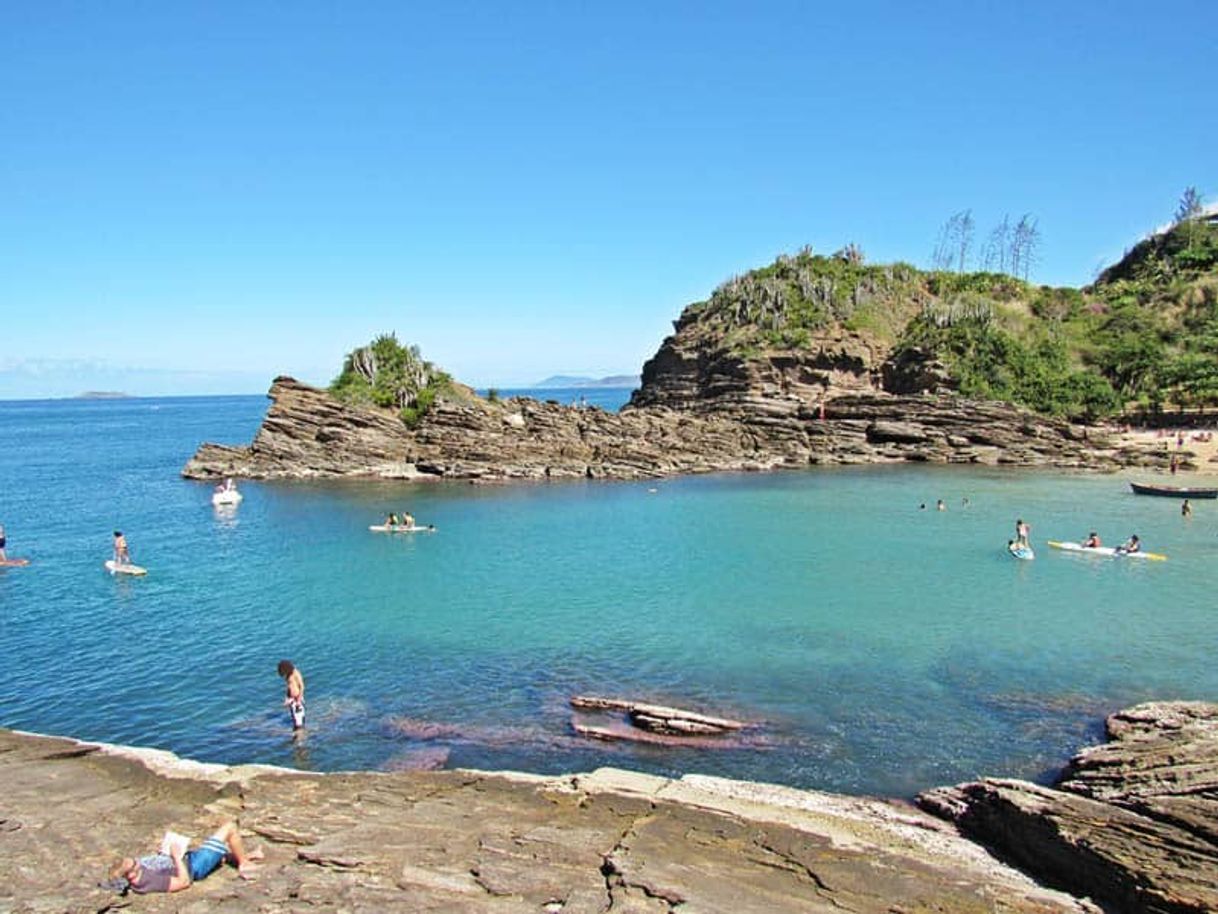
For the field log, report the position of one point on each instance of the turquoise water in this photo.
(883, 648)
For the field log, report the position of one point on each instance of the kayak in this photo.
(1021, 552)
(115, 568)
(400, 528)
(1107, 551)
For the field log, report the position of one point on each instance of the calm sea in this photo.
(882, 648)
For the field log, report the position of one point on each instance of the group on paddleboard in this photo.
(1021, 548)
(405, 523)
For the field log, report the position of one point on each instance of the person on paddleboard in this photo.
(121, 554)
(3, 542)
(1092, 541)
(1133, 544)
(391, 520)
(407, 519)
(293, 693)
(1022, 530)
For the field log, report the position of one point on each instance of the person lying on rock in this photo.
(176, 868)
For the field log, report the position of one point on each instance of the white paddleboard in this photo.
(14, 563)
(226, 498)
(398, 528)
(1022, 552)
(1107, 551)
(115, 568)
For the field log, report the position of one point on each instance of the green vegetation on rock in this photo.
(1144, 335)
(387, 374)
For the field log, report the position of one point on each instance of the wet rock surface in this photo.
(1132, 823)
(466, 841)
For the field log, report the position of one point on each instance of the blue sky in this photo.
(196, 197)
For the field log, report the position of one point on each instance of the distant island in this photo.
(566, 380)
(103, 395)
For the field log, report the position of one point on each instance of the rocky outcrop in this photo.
(463, 841)
(1132, 824)
(753, 426)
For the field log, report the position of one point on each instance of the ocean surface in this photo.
(880, 648)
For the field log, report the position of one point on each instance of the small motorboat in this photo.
(226, 494)
(1142, 488)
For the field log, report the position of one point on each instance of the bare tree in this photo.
(955, 239)
(1189, 207)
(1187, 212)
(964, 236)
(941, 257)
(1025, 246)
(997, 245)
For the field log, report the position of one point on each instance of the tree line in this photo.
(1011, 248)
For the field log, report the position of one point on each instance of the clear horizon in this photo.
(199, 198)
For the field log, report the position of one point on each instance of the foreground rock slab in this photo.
(462, 841)
(1132, 823)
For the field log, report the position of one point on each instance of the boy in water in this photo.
(293, 695)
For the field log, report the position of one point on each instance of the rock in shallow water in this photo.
(1132, 823)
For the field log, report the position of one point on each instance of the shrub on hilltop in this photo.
(387, 374)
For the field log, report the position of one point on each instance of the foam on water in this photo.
(884, 648)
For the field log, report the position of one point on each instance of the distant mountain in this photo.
(566, 380)
(102, 395)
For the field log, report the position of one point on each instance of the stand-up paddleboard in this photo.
(14, 563)
(1021, 552)
(115, 568)
(1107, 551)
(399, 528)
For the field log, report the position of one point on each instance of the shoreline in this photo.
(1129, 824)
(469, 840)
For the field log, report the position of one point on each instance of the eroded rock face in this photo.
(755, 425)
(460, 841)
(1132, 824)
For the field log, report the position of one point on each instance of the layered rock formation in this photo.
(1133, 823)
(1131, 826)
(757, 424)
(464, 841)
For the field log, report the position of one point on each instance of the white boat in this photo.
(226, 496)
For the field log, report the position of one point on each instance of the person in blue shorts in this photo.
(179, 868)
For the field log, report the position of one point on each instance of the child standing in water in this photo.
(293, 695)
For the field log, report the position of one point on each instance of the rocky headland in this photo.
(1131, 826)
(308, 432)
(812, 360)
